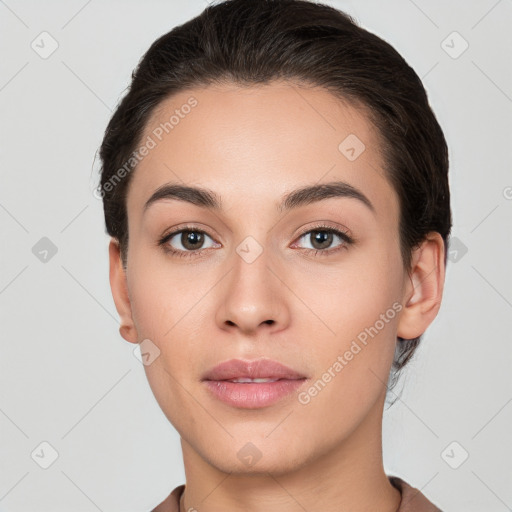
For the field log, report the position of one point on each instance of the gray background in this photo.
(68, 378)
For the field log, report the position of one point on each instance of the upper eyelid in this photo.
(344, 231)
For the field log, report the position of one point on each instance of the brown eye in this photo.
(321, 240)
(187, 242)
(192, 240)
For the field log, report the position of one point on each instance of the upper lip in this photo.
(256, 369)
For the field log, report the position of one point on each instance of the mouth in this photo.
(247, 380)
(255, 369)
(252, 384)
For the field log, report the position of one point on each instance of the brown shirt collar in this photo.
(412, 499)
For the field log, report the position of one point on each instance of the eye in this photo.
(321, 239)
(190, 241)
(186, 242)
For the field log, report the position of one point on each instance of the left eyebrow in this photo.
(314, 193)
(206, 198)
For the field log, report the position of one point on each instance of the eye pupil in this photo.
(190, 239)
(324, 238)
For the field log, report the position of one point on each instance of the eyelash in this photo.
(348, 240)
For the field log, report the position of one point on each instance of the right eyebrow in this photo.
(195, 195)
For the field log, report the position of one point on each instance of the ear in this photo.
(424, 287)
(119, 289)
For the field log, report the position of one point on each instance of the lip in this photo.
(256, 369)
(252, 395)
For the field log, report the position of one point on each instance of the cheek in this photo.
(168, 308)
(351, 368)
(341, 300)
(163, 298)
(352, 332)
(168, 312)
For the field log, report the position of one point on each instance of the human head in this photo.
(308, 43)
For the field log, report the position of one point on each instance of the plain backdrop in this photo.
(74, 397)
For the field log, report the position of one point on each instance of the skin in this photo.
(251, 146)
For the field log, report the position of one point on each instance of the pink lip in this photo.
(252, 395)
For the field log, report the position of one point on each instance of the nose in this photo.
(253, 296)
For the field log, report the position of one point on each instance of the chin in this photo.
(256, 456)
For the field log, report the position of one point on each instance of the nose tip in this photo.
(252, 296)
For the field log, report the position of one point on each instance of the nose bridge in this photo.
(252, 291)
(251, 275)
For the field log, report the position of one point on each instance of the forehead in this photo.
(258, 142)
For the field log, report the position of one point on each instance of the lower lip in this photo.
(252, 395)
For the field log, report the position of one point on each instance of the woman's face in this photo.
(257, 289)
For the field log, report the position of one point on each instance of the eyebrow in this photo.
(206, 198)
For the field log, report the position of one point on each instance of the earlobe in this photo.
(424, 289)
(120, 294)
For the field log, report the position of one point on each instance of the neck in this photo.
(348, 477)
